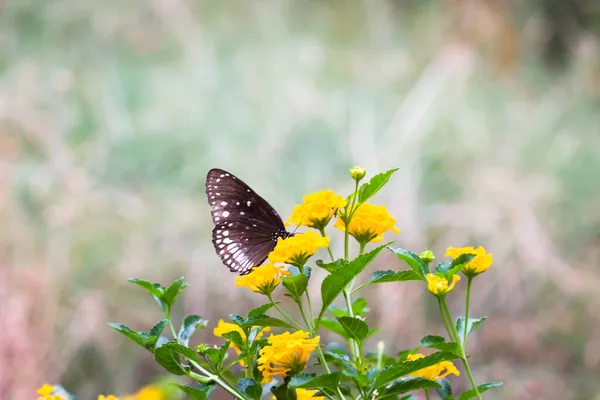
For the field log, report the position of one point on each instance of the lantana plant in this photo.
(292, 362)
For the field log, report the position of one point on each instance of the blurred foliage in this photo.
(111, 113)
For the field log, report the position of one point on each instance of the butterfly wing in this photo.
(246, 226)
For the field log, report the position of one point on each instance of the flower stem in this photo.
(284, 315)
(215, 377)
(322, 230)
(464, 341)
(462, 349)
(443, 314)
(427, 394)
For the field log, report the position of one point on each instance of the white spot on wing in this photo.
(225, 214)
(223, 203)
(248, 203)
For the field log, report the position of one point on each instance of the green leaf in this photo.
(130, 334)
(355, 328)
(308, 381)
(398, 370)
(445, 391)
(219, 354)
(250, 388)
(168, 356)
(154, 334)
(407, 384)
(153, 288)
(237, 319)
(158, 328)
(439, 343)
(265, 320)
(296, 284)
(335, 283)
(419, 266)
(469, 394)
(471, 326)
(458, 264)
(333, 326)
(255, 312)
(332, 266)
(391, 276)
(343, 361)
(196, 394)
(235, 338)
(368, 190)
(283, 392)
(443, 266)
(409, 397)
(170, 293)
(191, 323)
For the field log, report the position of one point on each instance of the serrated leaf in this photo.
(439, 343)
(265, 320)
(407, 384)
(445, 391)
(335, 283)
(168, 356)
(237, 319)
(191, 323)
(471, 326)
(296, 284)
(158, 328)
(391, 276)
(255, 312)
(307, 381)
(193, 393)
(469, 394)
(413, 260)
(355, 328)
(235, 338)
(377, 182)
(332, 266)
(343, 361)
(250, 388)
(170, 293)
(130, 334)
(398, 370)
(153, 288)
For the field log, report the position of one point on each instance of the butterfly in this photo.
(246, 227)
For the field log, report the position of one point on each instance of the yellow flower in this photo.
(146, 393)
(369, 223)
(45, 393)
(226, 327)
(439, 285)
(480, 263)
(297, 249)
(286, 355)
(305, 394)
(263, 279)
(435, 372)
(316, 209)
(357, 173)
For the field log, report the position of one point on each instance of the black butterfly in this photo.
(246, 226)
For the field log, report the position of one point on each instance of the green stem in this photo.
(322, 230)
(284, 315)
(462, 351)
(427, 394)
(464, 341)
(168, 317)
(443, 314)
(215, 377)
(324, 363)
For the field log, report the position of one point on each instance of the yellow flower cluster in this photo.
(286, 354)
(147, 393)
(480, 263)
(226, 327)
(316, 209)
(297, 249)
(263, 279)
(435, 372)
(45, 393)
(305, 394)
(369, 223)
(439, 285)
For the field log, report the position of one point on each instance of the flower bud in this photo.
(201, 349)
(357, 173)
(427, 256)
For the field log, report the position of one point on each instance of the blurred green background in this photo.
(112, 112)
